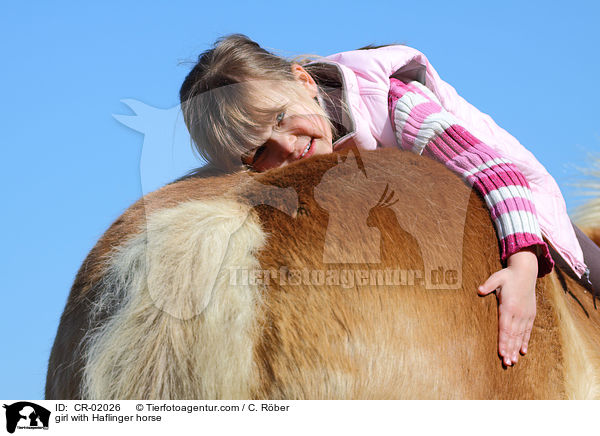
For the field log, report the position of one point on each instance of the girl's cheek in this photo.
(318, 128)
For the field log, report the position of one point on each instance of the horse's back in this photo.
(326, 279)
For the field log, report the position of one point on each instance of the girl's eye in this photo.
(250, 158)
(280, 118)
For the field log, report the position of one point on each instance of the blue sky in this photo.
(70, 168)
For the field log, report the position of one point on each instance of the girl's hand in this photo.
(515, 290)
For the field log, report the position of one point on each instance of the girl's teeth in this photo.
(306, 149)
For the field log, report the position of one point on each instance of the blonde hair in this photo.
(219, 99)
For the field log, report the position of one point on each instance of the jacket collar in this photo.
(333, 98)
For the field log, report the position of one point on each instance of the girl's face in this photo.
(295, 134)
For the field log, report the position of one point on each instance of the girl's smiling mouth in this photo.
(308, 149)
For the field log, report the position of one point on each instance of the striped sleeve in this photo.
(424, 127)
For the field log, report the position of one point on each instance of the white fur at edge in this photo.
(588, 214)
(177, 330)
(582, 356)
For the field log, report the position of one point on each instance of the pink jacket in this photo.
(367, 73)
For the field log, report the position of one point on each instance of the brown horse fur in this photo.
(156, 311)
(593, 233)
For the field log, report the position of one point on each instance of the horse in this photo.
(587, 215)
(343, 276)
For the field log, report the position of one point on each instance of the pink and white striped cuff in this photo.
(423, 126)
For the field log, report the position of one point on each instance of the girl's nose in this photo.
(284, 142)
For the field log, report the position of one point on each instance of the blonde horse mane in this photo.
(587, 215)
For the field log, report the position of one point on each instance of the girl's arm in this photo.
(422, 125)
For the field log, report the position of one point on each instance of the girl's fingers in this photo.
(514, 334)
(510, 348)
(526, 337)
(505, 341)
(515, 320)
(520, 337)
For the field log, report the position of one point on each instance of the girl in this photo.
(263, 112)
